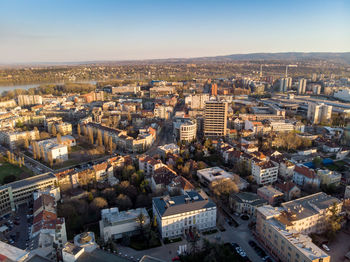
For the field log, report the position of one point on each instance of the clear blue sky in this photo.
(82, 30)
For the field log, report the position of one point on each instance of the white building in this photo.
(169, 148)
(182, 214)
(185, 129)
(208, 175)
(318, 113)
(196, 101)
(264, 172)
(115, 224)
(343, 94)
(302, 86)
(86, 240)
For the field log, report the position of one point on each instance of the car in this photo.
(325, 247)
(175, 258)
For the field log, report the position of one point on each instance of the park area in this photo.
(10, 172)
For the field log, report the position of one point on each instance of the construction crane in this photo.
(286, 75)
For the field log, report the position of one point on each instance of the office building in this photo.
(185, 129)
(319, 113)
(20, 192)
(215, 119)
(115, 224)
(183, 214)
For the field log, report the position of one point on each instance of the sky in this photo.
(86, 30)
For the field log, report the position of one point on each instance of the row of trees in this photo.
(11, 158)
(101, 141)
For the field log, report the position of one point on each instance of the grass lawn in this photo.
(9, 169)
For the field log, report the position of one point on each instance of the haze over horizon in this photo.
(66, 31)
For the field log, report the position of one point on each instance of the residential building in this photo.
(319, 113)
(285, 84)
(115, 224)
(214, 89)
(148, 165)
(246, 203)
(289, 189)
(15, 139)
(196, 101)
(264, 172)
(86, 240)
(19, 192)
(304, 176)
(169, 148)
(285, 167)
(182, 214)
(302, 86)
(329, 178)
(27, 100)
(271, 195)
(208, 175)
(215, 118)
(284, 243)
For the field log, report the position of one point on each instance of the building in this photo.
(169, 148)
(289, 189)
(185, 129)
(304, 176)
(20, 192)
(15, 139)
(196, 101)
(10, 253)
(215, 119)
(302, 86)
(271, 195)
(208, 175)
(28, 100)
(179, 215)
(86, 240)
(319, 113)
(329, 178)
(214, 89)
(148, 164)
(343, 94)
(115, 224)
(246, 203)
(264, 172)
(54, 150)
(285, 84)
(284, 243)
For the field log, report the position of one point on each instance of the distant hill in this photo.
(336, 57)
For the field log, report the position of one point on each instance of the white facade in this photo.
(318, 113)
(208, 175)
(343, 94)
(196, 101)
(178, 215)
(302, 86)
(264, 172)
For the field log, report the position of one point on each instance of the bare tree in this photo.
(59, 138)
(79, 130)
(53, 130)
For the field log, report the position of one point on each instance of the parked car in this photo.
(325, 247)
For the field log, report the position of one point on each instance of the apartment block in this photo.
(15, 139)
(264, 172)
(319, 113)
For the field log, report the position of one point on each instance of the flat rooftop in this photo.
(191, 201)
(29, 181)
(12, 253)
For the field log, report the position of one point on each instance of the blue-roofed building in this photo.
(181, 214)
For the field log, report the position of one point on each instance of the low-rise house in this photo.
(331, 147)
(115, 224)
(246, 203)
(208, 175)
(271, 195)
(285, 167)
(169, 148)
(289, 189)
(304, 176)
(161, 178)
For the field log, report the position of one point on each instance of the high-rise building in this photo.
(285, 84)
(318, 113)
(214, 89)
(215, 118)
(302, 86)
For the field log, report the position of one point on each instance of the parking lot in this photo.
(18, 227)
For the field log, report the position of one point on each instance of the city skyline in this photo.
(40, 31)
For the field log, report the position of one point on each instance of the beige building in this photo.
(283, 242)
(14, 139)
(318, 113)
(215, 118)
